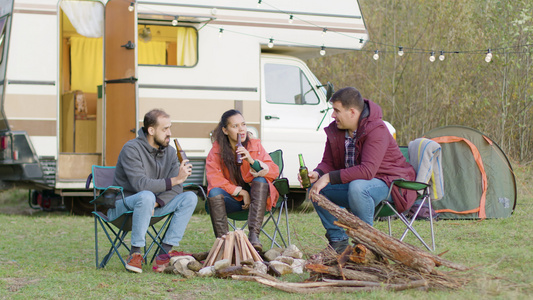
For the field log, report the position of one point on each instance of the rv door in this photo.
(293, 111)
(6, 7)
(120, 77)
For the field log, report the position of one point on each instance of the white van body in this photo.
(235, 68)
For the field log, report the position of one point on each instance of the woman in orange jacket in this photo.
(233, 188)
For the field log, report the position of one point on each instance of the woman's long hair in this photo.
(227, 154)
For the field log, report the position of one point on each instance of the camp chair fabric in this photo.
(425, 157)
(387, 209)
(117, 229)
(275, 215)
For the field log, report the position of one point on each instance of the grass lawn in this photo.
(51, 255)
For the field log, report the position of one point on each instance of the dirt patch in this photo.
(15, 284)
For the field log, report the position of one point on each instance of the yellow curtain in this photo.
(152, 53)
(86, 63)
(186, 44)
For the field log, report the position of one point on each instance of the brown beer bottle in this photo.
(181, 154)
(238, 157)
(304, 173)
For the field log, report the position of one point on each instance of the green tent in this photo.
(479, 181)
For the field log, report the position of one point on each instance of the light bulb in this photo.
(271, 43)
(400, 51)
(376, 55)
(291, 18)
(323, 51)
(441, 56)
(488, 57)
(361, 41)
(131, 7)
(324, 31)
(259, 3)
(175, 21)
(432, 56)
(220, 32)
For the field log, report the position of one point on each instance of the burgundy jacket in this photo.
(376, 155)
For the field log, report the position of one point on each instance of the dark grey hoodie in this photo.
(141, 167)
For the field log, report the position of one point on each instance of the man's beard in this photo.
(162, 143)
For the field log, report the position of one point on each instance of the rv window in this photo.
(2, 37)
(167, 45)
(286, 84)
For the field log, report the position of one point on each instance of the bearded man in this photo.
(151, 176)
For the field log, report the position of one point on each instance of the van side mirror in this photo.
(329, 91)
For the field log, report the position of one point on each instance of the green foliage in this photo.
(417, 95)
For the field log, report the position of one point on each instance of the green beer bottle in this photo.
(304, 173)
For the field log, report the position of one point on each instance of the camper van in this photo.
(77, 77)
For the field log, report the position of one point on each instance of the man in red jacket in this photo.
(360, 161)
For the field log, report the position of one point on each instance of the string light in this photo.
(220, 32)
(175, 21)
(131, 7)
(441, 56)
(488, 57)
(323, 51)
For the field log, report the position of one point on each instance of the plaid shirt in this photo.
(349, 145)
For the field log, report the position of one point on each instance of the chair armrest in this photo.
(108, 196)
(282, 185)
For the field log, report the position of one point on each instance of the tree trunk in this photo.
(383, 244)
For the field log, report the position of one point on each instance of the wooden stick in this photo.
(228, 247)
(255, 254)
(216, 251)
(237, 257)
(244, 248)
(215, 244)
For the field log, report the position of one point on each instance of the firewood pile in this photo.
(233, 254)
(377, 261)
(233, 246)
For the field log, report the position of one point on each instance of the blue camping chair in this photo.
(117, 229)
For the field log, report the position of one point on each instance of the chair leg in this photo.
(96, 239)
(119, 240)
(431, 224)
(409, 226)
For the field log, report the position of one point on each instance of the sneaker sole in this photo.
(133, 269)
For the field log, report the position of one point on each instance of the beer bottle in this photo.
(181, 154)
(304, 173)
(238, 157)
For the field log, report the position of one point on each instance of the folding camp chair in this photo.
(117, 229)
(281, 208)
(387, 209)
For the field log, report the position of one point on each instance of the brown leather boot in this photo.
(217, 211)
(258, 199)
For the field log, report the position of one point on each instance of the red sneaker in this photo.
(134, 263)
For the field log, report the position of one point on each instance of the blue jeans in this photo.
(143, 203)
(232, 205)
(359, 196)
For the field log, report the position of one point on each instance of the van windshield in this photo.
(286, 84)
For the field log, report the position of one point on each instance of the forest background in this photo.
(417, 95)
